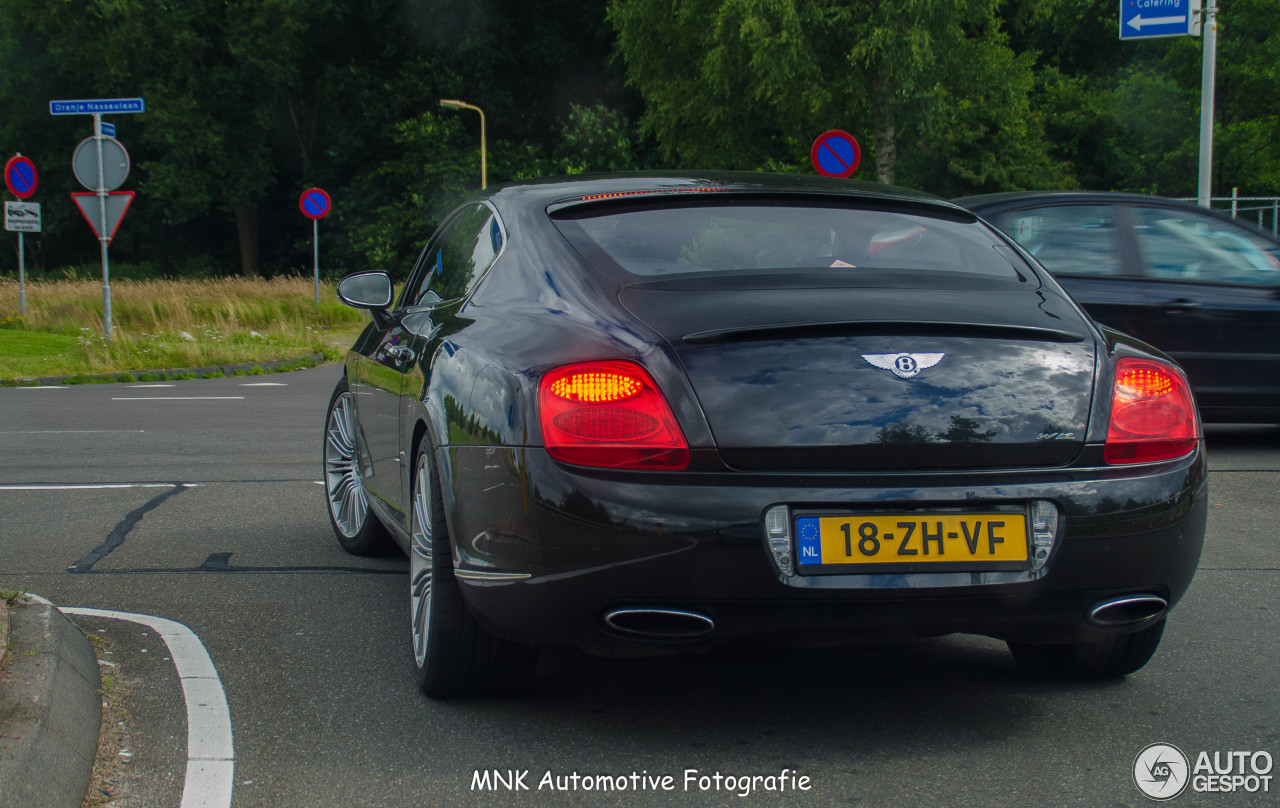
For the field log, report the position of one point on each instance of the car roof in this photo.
(1012, 199)
(987, 204)
(546, 192)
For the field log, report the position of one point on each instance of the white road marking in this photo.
(90, 486)
(176, 398)
(263, 384)
(75, 431)
(210, 752)
(318, 482)
(45, 387)
(139, 386)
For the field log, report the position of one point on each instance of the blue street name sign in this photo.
(1144, 19)
(109, 129)
(97, 106)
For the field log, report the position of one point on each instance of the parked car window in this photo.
(1184, 245)
(748, 237)
(458, 256)
(1068, 240)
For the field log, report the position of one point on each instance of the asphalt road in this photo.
(231, 539)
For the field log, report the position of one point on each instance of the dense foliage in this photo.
(251, 101)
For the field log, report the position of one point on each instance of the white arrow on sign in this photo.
(1138, 22)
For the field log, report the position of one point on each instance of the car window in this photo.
(703, 239)
(457, 257)
(1069, 239)
(1184, 245)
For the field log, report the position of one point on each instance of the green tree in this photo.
(218, 78)
(1125, 115)
(750, 83)
(251, 101)
(1247, 149)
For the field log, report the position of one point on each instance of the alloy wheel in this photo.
(420, 560)
(348, 502)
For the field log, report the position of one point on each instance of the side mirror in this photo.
(366, 290)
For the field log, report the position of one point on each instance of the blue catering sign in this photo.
(97, 106)
(1144, 19)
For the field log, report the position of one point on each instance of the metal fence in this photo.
(1265, 210)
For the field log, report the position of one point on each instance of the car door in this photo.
(429, 310)
(1215, 303)
(1089, 251)
(377, 392)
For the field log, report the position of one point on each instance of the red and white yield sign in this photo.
(106, 210)
(314, 203)
(836, 154)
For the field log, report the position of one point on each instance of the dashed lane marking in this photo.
(76, 431)
(88, 486)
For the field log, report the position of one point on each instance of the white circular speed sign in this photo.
(115, 163)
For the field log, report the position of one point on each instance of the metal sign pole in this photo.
(315, 242)
(22, 277)
(20, 177)
(104, 237)
(1207, 74)
(315, 204)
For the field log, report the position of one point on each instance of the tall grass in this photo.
(177, 323)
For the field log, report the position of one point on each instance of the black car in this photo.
(1195, 283)
(652, 413)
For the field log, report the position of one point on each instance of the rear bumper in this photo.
(545, 551)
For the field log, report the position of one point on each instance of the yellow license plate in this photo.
(912, 539)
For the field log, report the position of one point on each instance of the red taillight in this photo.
(609, 414)
(1152, 414)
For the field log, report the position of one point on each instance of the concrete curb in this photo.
(166, 374)
(4, 631)
(50, 709)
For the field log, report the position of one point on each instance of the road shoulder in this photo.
(50, 708)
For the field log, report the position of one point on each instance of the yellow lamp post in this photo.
(452, 104)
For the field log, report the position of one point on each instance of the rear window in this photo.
(759, 237)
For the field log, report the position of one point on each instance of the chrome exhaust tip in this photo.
(1128, 610)
(659, 624)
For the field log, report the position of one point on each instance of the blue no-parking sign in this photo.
(835, 154)
(20, 176)
(314, 203)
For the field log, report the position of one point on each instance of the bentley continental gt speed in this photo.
(653, 413)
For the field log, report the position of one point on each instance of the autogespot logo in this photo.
(1161, 771)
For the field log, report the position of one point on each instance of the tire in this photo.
(357, 527)
(453, 655)
(1108, 658)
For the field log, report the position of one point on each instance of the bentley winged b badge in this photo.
(904, 365)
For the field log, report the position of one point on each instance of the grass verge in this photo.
(167, 324)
